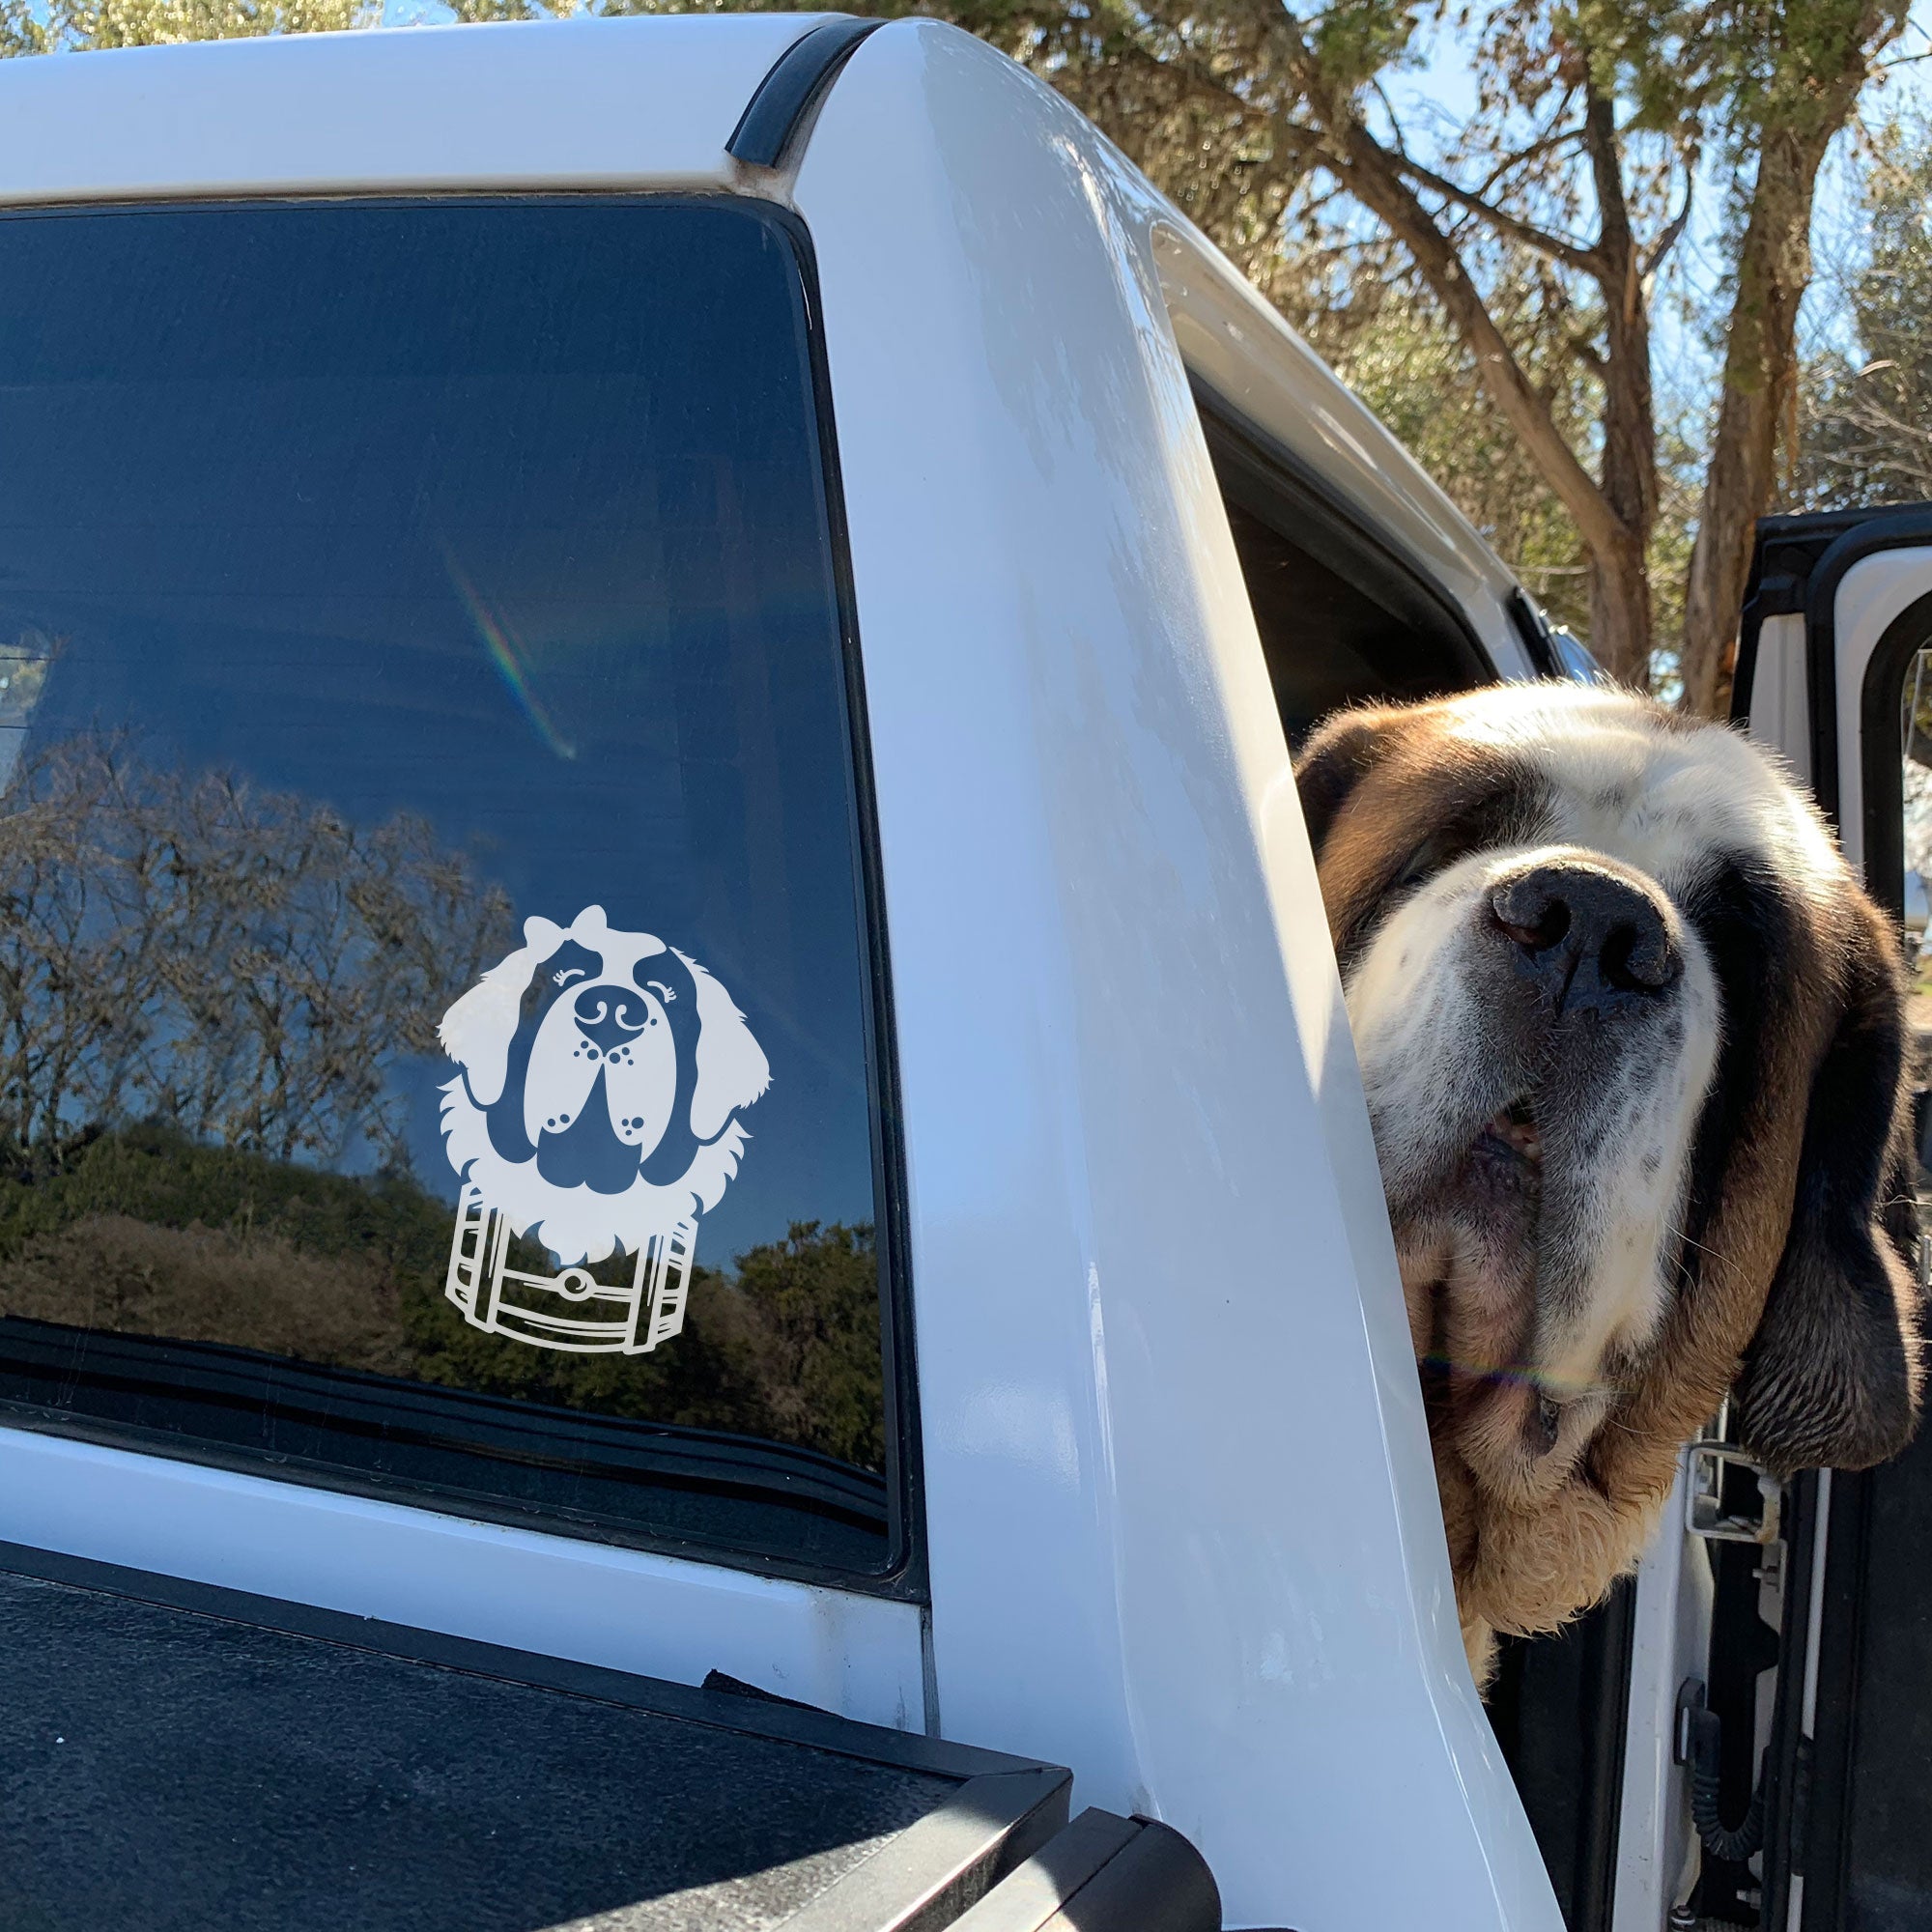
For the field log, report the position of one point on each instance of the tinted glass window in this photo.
(433, 974)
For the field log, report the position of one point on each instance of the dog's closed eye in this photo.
(567, 975)
(665, 993)
(1425, 859)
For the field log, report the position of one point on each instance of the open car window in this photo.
(439, 1048)
(1343, 621)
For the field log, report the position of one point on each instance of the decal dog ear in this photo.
(476, 1031)
(1831, 1378)
(732, 1070)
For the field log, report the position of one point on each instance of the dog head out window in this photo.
(438, 1049)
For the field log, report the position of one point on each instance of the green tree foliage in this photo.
(26, 28)
(1865, 407)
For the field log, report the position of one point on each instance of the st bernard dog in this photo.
(1634, 1043)
(602, 1072)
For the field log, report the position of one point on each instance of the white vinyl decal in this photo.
(603, 1073)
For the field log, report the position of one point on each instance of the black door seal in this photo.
(787, 96)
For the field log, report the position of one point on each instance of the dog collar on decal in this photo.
(596, 1111)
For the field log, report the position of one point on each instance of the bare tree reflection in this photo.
(205, 989)
(242, 964)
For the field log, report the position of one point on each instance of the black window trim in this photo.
(905, 1573)
(1533, 629)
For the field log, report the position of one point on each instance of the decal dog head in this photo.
(1633, 1044)
(602, 1075)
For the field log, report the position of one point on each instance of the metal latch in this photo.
(1712, 1514)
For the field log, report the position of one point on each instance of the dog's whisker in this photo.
(1679, 1236)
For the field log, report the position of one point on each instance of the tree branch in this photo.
(1556, 247)
(1774, 266)
(1376, 178)
(1614, 248)
(1548, 145)
(1661, 248)
(1587, 354)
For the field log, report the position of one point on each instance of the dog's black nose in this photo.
(609, 1017)
(1587, 938)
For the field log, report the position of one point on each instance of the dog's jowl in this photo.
(1632, 1041)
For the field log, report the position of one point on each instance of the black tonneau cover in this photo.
(175, 1756)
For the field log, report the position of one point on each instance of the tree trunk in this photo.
(1613, 516)
(1760, 371)
(1761, 356)
(1620, 633)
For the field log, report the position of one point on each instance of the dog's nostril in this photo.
(1639, 961)
(1533, 919)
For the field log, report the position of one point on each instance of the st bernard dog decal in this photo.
(603, 1073)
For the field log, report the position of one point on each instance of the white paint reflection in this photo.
(23, 677)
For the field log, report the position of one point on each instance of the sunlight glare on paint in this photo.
(500, 642)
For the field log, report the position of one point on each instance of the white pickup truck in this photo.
(663, 1018)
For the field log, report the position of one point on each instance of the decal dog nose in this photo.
(608, 1017)
(1586, 938)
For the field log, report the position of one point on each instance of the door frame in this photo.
(1852, 579)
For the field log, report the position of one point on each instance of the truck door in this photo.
(1836, 670)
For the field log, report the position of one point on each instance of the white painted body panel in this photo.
(627, 1609)
(1780, 713)
(1181, 1518)
(1658, 1854)
(568, 105)
(1182, 1521)
(1875, 590)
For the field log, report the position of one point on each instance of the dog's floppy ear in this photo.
(1830, 1379)
(477, 1030)
(732, 1070)
(1339, 752)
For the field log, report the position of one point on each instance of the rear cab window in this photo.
(443, 1050)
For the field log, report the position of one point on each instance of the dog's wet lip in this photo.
(1515, 1127)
